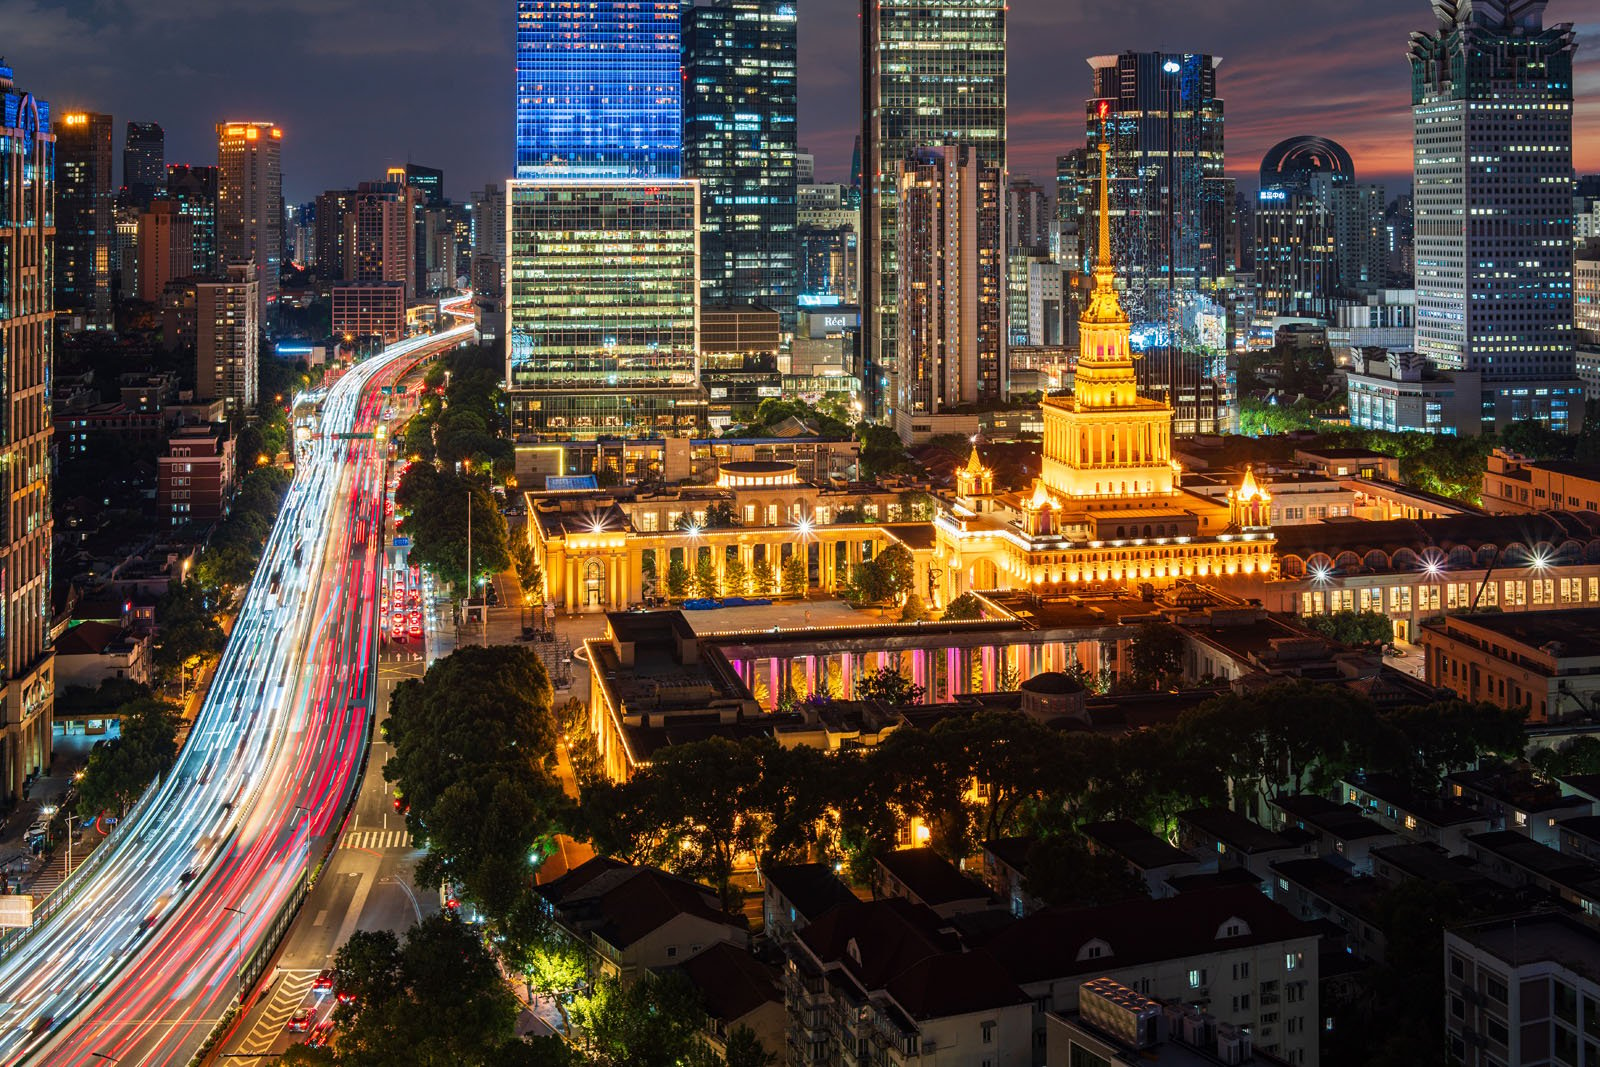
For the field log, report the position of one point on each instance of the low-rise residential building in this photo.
(737, 991)
(1522, 990)
(194, 480)
(1321, 890)
(1514, 800)
(1145, 854)
(635, 919)
(797, 894)
(93, 652)
(888, 982)
(1232, 952)
(1514, 485)
(1580, 838)
(1005, 863)
(1226, 839)
(1414, 816)
(1517, 860)
(1340, 831)
(924, 877)
(1546, 662)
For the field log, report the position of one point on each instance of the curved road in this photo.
(142, 957)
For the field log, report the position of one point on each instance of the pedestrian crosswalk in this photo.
(376, 839)
(286, 999)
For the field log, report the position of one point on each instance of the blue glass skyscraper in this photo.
(599, 89)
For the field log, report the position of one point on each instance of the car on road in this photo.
(322, 984)
(321, 1034)
(300, 1021)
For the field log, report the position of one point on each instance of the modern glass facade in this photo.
(144, 162)
(194, 190)
(1492, 118)
(598, 89)
(603, 306)
(935, 74)
(85, 216)
(1164, 121)
(739, 141)
(27, 246)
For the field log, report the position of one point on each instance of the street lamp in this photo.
(238, 948)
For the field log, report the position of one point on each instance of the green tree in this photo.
(1577, 755)
(896, 572)
(120, 768)
(887, 685)
(1061, 871)
(436, 998)
(763, 578)
(736, 577)
(434, 508)
(186, 629)
(1437, 738)
(1354, 628)
(914, 610)
(474, 755)
(796, 575)
(705, 577)
(1156, 655)
(744, 1049)
(549, 961)
(964, 607)
(678, 580)
(654, 1022)
(882, 451)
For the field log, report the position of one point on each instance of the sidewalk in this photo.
(17, 861)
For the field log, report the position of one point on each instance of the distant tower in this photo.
(250, 203)
(1492, 119)
(85, 212)
(739, 76)
(144, 162)
(935, 74)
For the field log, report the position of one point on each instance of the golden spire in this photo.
(1104, 307)
(974, 467)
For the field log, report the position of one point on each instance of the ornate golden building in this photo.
(1108, 508)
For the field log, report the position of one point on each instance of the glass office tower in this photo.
(598, 89)
(935, 74)
(603, 304)
(739, 142)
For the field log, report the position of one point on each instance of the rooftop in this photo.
(930, 878)
(1531, 939)
(1054, 943)
(732, 982)
(810, 888)
(1135, 844)
(1573, 633)
(1343, 821)
(623, 903)
(1238, 832)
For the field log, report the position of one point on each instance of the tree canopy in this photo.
(121, 767)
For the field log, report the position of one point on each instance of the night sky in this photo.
(361, 84)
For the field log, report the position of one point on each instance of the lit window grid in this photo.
(598, 89)
(602, 285)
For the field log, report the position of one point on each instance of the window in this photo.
(1293, 1024)
(1494, 987)
(1241, 970)
(1241, 1003)
(1197, 978)
(672, 952)
(1291, 960)
(988, 1034)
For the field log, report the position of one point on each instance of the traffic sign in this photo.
(402, 542)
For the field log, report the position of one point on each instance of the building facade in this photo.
(166, 249)
(85, 205)
(370, 309)
(1492, 118)
(378, 235)
(194, 190)
(228, 339)
(1107, 509)
(739, 76)
(194, 480)
(934, 74)
(603, 306)
(27, 184)
(598, 89)
(250, 204)
(144, 162)
(951, 336)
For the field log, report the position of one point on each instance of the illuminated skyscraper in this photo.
(250, 202)
(144, 162)
(934, 73)
(739, 142)
(1492, 113)
(194, 190)
(85, 212)
(27, 176)
(951, 337)
(602, 290)
(598, 89)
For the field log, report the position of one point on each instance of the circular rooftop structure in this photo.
(1052, 696)
(1293, 163)
(756, 475)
